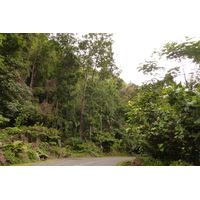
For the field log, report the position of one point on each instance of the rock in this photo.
(2, 158)
(43, 156)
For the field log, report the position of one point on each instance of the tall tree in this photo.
(97, 58)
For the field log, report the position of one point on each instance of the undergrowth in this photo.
(34, 144)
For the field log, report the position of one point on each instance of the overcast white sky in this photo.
(130, 52)
(150, 25)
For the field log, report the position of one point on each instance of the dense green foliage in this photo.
(61, 95)
(166, 124)
(164, 119)
(59, 83)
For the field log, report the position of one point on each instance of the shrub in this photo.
(119, 146)
(4, 137)
(56, 151)
(76, 143)
(105, 141)
(165, 123)
(53, 143)
(3, 120)
(91, 148)
(150, 161)
(13, 130)
(23, 157)
(10, 157)
(180, 163)
(32, 154)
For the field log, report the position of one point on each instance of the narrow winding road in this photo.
(103, 161)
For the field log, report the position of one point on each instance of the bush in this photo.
(37, 142)
(55, 151)
(3, 120)
(91, 148)
(32, 154)
(180, 163)
(165, 123)
(119, 146)
(52, 143)
(106, 141)
(13, 130)
(149, 161)
(10, 157)
(76, 143)
(4, 137)
(10, 134)
(23, 157)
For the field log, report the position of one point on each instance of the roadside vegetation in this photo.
(61, 96)
(164, 118)
(37, 143)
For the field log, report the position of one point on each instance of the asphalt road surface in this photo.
(102, 161)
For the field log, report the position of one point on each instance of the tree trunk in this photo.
(33, 74)
(107, 126)
(91, 99)
(101, 123)
(90, 131)
(57, 114)
(184, 75)
(83, 106)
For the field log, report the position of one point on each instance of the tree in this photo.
(164, 118)
(188, 50)
(97, 58)
(13, 73)
(64, 82)
(66, 75)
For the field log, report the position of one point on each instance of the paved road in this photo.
(103, 161)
